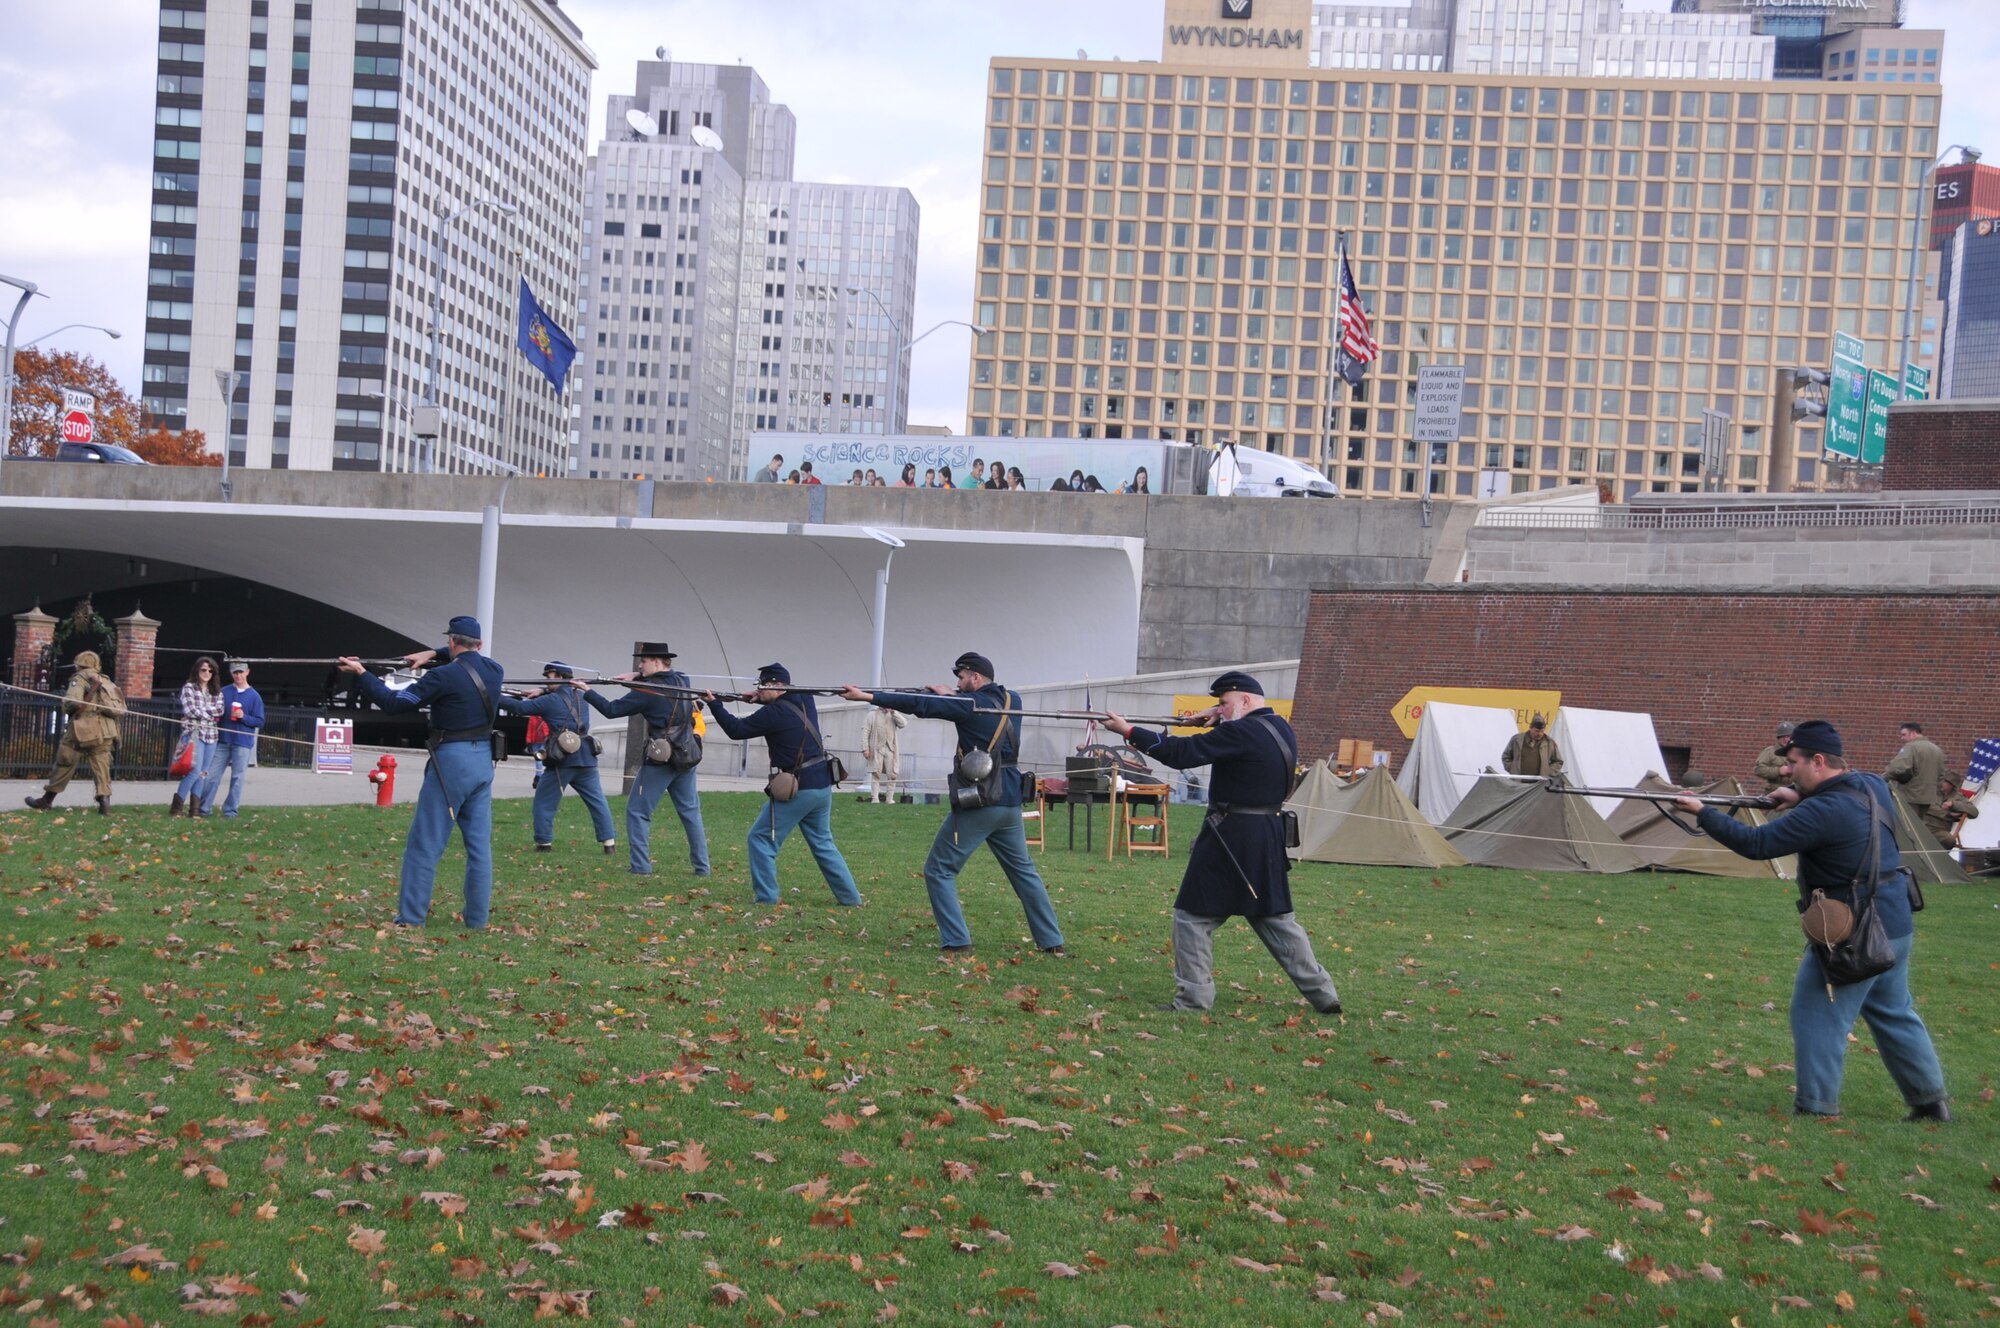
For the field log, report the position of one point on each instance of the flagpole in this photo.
(513, 415)
(1333, 353)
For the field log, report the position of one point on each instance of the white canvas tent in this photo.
(1454, 743)
(1607, 749)
(1983, 830)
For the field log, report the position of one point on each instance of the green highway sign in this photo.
(1916, 382)
(1846, 398)
(1882, 394)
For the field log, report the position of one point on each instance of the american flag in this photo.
(1357, 344)
(1985, 759)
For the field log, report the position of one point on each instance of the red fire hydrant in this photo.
(383, 777)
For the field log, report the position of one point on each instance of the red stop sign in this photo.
(76, 427)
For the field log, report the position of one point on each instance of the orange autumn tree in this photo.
(40, 379)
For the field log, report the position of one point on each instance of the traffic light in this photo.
(1809, 388)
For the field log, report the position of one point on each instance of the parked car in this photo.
(109, 454)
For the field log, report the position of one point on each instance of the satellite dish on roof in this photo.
(1082, 54)
(706, 138)
(659, 52)
(642, 124)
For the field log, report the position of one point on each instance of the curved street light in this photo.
(29, 290)
(111, 332)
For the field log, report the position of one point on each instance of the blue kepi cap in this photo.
(775, 673)
(464, 625)
(1236, 680)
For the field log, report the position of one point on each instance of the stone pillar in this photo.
(134, 670)
(33, 631)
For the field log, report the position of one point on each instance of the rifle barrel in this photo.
(1666, 795)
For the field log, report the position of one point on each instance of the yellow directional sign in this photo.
(1525, 703)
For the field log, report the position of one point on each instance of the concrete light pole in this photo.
(1967, 156)
(431, 416)
(226, 382)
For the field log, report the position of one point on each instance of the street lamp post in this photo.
(1966, 157)
(895, 365)
(434, 416)
(28, 291)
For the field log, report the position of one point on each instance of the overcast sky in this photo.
(886, 92)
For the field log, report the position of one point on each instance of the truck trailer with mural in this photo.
(1169, 467)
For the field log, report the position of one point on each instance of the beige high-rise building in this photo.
(1609, 257)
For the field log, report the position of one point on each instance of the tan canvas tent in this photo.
(1369, 822)
(1522, 823)
(1666, 847)
(1929, 861)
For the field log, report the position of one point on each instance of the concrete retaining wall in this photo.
(1867, 556)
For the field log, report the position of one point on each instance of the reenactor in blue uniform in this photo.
(667, 716)
(561, 706)
(462, 693)
(974, 709)
(788, 722)
(1238, 865)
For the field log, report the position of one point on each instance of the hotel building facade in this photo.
(1612, 236)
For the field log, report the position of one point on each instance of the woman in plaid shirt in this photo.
(201, 707)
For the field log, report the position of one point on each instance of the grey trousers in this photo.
(1194, 959)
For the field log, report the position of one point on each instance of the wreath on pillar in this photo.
(85, 629)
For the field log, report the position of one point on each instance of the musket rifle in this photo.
(1664, 799)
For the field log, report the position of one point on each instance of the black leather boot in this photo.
(43, 803)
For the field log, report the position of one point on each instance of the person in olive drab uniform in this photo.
(93, 704)
(1919, 770)
(562, 708)
(463, 694)
(666, 715)
(1533, 752)
(1771, 761)
(788, 722)
(973, 709)
(1237, 867)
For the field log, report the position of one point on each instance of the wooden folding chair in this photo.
(1143, 833)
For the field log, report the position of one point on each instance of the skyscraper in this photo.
(1609, 252)
(300, 230)
(721, 297)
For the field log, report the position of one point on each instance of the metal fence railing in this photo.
(1746, 516)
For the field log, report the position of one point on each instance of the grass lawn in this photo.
(231, 1093)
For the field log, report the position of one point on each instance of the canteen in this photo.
(975, 765)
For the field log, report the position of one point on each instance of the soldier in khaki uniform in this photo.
(1533, 752)
(1771, 762)
(1915, 775)
(93, 704)
(1954, 809)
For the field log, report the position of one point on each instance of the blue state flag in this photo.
(547, 346)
